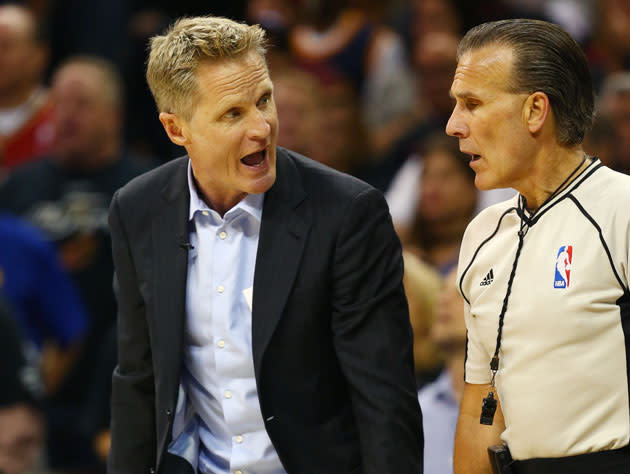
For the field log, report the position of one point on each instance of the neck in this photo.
(551, 173)
(219, 203)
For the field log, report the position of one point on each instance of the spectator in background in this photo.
(447, 200)
(431, 16)
(422, 284)
(614, 111)
(298, 98)
(25, 110)
(440, 399)
(45, 302)
(276, 17)
(609, 49)
(321, 117)
(342, 132)
(434, 61)
(405, 192)
(67, 195)
(351, 37)
(600, 141)
(22, 426)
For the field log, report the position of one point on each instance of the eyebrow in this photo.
(461, 95)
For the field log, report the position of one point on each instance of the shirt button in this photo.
(205, 213)
(222, 235)
(228, 394)
(221, 343)
(239, 439)
(221, 289)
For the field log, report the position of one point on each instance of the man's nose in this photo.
(455, 126)
(259, 126)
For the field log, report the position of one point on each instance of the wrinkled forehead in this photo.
(489, 66)
(248, 70)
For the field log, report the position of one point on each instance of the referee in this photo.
(545, 274)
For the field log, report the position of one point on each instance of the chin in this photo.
(484, 184)
(262, 185)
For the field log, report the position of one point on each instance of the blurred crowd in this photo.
(360, 85)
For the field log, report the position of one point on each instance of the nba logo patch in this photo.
(564, 261)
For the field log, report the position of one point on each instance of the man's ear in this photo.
(536, 111)
(175, 128)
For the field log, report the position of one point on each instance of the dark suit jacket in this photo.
(332, 343)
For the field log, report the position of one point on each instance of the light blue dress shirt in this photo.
(439, 419)
(218, 425)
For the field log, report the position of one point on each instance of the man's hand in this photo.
(472, 439)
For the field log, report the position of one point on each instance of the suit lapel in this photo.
(169, 232)
(285, 225)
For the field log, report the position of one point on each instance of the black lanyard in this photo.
(489, 403)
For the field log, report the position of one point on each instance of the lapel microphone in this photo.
(184, 245)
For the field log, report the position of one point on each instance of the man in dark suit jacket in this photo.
(318, 308)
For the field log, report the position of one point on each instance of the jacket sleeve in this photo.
(373, 338)
(133, 437)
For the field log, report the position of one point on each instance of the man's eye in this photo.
(265, 99)
(232, 113)
(472, 104)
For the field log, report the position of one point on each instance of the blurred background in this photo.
(360, 85)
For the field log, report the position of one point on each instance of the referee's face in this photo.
(489, 119)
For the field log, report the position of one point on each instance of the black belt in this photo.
(616, 461)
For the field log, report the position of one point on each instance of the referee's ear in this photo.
(536, 112)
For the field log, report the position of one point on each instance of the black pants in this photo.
(616, 461)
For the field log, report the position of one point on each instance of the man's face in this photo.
(489, 120)
(446, 192)
(231, 136)
(21, 438)
(85, 118)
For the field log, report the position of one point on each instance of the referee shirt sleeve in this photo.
(477, 357)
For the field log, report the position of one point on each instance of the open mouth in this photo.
(255, 159)
(474, 157)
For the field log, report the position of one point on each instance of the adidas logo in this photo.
(489, 278)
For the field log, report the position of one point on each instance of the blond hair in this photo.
(422, 284)
(175, 56)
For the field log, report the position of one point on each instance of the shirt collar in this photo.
(252, 204)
